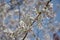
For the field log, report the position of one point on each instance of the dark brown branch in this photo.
(31, 25)
(35, 20)
(48, 3)
(25, 36)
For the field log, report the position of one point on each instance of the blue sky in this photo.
(56, 9)
(37, 31)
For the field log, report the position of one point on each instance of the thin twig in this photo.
(19, 13)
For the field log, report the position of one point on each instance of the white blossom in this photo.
(51, 5)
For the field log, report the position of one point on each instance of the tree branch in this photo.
(31, 25)
(35, 20)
